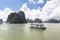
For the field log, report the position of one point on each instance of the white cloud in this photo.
(32, 1)
(29, 13)
(36, 1)
(56, 12)
(40, 1)
(4, 13)
(50, 10)
(32, 14)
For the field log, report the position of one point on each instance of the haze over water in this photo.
(23, 32)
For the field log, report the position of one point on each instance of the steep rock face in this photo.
(37, 20)
(17, 17)
(20, 17)
(11, 17)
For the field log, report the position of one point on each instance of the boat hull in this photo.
(38, 27)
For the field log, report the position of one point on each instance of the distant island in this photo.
(34, 21)
(37, 20)
(20, 18)
(52, 21)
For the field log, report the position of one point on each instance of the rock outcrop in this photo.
(37, 20)
(29, 20)
(34, 21)
(17, 17)
(52, 21)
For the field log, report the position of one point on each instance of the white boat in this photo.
(37, 25)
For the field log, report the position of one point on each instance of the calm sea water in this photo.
(23, 32)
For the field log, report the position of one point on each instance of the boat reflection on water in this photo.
(37, 26)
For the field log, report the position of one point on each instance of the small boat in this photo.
(37, 26)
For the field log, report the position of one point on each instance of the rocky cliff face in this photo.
(17, 17)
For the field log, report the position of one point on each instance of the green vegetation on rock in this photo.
(17, 17)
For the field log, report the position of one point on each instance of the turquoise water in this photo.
(23, 32)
